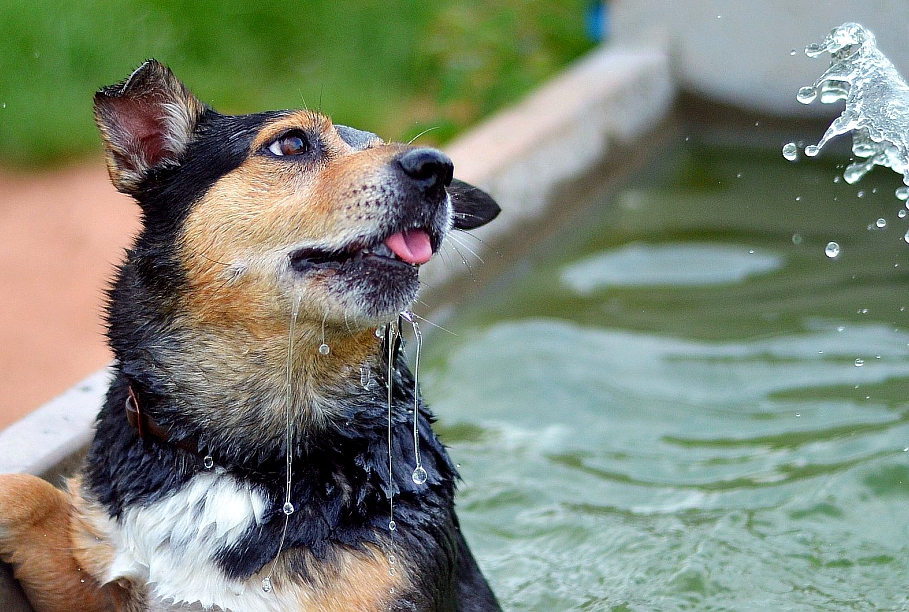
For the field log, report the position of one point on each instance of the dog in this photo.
(256, 448)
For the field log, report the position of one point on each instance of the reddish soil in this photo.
(61, 234)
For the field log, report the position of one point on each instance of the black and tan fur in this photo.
(241, 216)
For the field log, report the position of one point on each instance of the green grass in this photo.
(396, 67)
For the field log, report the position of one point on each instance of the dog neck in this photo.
(357, 362)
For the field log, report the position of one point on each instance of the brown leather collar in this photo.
(149, 428)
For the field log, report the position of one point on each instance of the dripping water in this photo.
(419, 475)
(288, 507)
(324, 349)
(389, 384)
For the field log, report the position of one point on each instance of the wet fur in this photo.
(199, 322)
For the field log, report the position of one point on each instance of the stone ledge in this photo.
(44, 441)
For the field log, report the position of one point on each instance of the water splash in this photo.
(877, 102)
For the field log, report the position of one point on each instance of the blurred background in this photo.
(674, 393)
(400, 68)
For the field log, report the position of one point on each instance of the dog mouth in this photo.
(410, 247)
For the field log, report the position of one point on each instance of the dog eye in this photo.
(291, 143)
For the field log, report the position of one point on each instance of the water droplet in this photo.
(854, 172)
(906, 449)
(798, 415)
(392, 525)
(380, 332)
(793, 52)
(266, 585)
(82, 580)
(391, 571)
(739, 175)
(840, 328)
(4, 105)
(796, 239)
(812, 150)
(906, 236)
(324, 349)
(392, 560)
(837, 178)
(208, 462)
(288, 508)
(859, 363)
(790, 151)
(881, 223)
(365, 377)
(806, 95)
(902, 193)
(902, 213)
(832, 250)
(860, 194)
(419, 475)
(798, 198)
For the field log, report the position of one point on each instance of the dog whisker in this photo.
(463, 259)
(436, 325)
(423, 133)
(220, 263)
(467, 248)
(470, 234)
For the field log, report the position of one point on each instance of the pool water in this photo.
(681, 402)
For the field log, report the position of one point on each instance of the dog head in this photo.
(244, 213)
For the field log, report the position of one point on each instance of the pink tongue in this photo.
(412, 246)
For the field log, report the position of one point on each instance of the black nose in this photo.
(430, 168)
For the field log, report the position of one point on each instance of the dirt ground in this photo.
(61, 233)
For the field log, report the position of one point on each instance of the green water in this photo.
(680, 402)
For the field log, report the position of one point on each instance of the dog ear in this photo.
(146, 122)
(472, 207)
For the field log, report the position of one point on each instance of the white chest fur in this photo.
(171, 544)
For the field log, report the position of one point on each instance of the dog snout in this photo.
(430, 169)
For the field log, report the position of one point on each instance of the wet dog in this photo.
(256, 448)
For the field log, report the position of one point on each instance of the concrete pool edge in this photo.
(612, 96)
